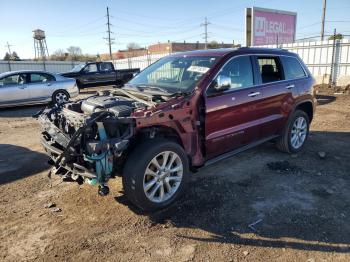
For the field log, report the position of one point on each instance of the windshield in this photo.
(77, 68)
(174, 74)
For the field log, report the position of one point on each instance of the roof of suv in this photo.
(241, 50)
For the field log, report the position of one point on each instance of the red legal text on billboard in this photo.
(273, 28)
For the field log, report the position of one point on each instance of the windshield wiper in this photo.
(181, 93)
(163, 90)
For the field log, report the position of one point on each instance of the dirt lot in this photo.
(300, 203)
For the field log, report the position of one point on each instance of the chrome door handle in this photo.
(254, 94)
(22, 87)
(290, 86)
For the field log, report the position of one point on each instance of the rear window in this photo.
(292, 68)
(41, 78)
(106, 67)
(270, 69)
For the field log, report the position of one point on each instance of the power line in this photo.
(75, 27)
(228, 28)
(205, 24)
(80, 35)
(152, 34)
(309, 25)
(338, 21)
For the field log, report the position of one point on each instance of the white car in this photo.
(35, 87)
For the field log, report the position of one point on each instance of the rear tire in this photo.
(60, 97)
(151, 188)
(295, 133)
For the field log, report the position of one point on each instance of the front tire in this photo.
(295, 133)
(155, 174)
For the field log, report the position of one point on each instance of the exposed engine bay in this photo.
(85, 139)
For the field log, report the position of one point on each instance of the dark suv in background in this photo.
(182, 112)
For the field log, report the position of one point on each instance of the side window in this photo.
(40, 78)
(91, 68)
(270, 69)
(292, 68)
(240, 71)
(106, 67)
(18, 79)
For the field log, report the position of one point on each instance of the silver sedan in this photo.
(35, 87)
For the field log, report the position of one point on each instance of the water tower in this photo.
(40, 46)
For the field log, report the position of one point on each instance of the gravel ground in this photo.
(261, 205)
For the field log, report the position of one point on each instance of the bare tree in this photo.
(133, 46)
(7, 56)
(74, 52)
(59, 55)
(15, 56)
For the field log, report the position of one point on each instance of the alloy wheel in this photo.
(298, 132)
(163, 176)
(61, 98)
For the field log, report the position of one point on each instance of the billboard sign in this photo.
(269, 26)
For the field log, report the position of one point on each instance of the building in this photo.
(172, 47)
(163, 48)
(129, 53)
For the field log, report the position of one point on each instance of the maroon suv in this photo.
(182, 112)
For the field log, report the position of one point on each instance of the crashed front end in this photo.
(86, 139)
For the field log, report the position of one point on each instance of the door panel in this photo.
(107, 73)
(232, 120)
(233, 116)
(90, 74)
(13, 89)
(278, 101)
(40, 86)
(279, 95)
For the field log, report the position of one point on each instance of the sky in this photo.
(83, 22)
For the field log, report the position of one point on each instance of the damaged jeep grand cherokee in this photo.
(181, 113)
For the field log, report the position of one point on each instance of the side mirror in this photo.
(222, 83)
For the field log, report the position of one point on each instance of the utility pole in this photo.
(205, 24)
(323, 18)
(331, 77)
(109, 39)
(8, 47)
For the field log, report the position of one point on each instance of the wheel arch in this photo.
(159, 131)
(307, 107)
(148, 133)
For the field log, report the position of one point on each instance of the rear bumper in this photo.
(74, 93)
